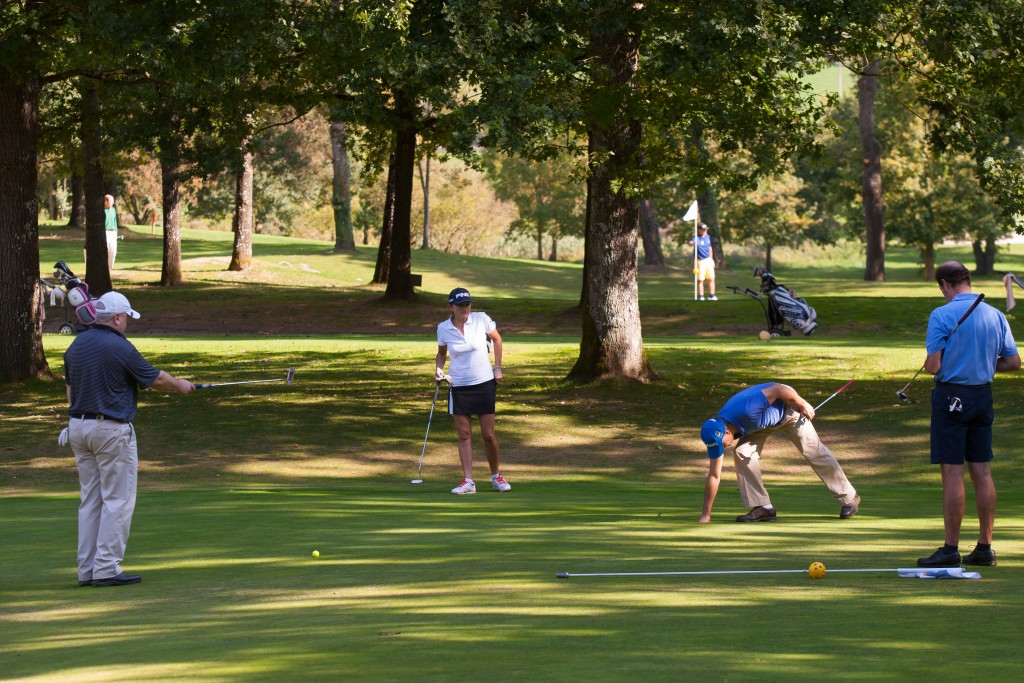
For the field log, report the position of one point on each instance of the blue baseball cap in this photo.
(459, 295)
(711, 433)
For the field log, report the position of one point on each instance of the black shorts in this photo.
(476, 399)
(962, 419)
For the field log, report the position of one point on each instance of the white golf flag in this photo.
(691, 213)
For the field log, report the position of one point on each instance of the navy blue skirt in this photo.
(476, 399)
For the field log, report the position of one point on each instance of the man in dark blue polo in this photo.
(964, 365)
(103, 373)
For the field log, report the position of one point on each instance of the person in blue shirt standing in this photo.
(748, 419)
(964, 364)
(705, 263)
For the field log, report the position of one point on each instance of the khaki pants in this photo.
(111, 247)
(801, 432)
(108, 466)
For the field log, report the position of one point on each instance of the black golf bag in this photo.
(784, 306)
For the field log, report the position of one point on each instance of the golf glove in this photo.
(62, 439)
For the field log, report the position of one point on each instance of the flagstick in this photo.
(694, 259)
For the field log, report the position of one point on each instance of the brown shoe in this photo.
(758, 514)
(850, 510)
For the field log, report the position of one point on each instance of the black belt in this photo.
(97, 416)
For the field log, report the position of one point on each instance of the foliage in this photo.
(548, 200)
(141, 192)
(465, 215)
(930, 195)
(292, 177)
(772, 214)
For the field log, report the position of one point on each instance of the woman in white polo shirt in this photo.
(463, 337)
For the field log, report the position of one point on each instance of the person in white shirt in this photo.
(463, 337)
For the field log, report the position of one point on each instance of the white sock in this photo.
(769, 506)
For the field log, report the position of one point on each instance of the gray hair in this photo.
(103, 317)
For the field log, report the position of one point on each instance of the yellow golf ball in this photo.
(316, 553)
(816, 570)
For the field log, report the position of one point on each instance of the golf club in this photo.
(437, 388)
(288, 379)
(817, 407)
(914, 572)
(902, 393)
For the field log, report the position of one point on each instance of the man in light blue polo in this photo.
(749, 418)
(964, 364)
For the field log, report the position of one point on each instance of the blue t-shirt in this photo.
(969, 356)
(703, 243)
(750, 411)
(105, 371)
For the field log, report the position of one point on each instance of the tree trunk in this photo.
(584, 295)
(554, 248)
(984, 257)
(77, 217)
(341, 198)
(97, 269)
(928, 258)
(612, 344)
(52, 208)
(399, 279)
(21, 340)
(768, 256)
(241, 222)
(383, 268)
(651, 233)
(425, 186)
(170, 273)
(871, 151)
(77, 184)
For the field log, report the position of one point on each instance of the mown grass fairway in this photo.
(238, 485)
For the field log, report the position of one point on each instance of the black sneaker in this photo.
(758, 514)
(981, 558)
(121, 579)
(940, 558)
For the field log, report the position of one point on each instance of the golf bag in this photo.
(74, 296)
(784, 306)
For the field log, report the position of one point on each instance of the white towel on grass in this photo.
(943, 573)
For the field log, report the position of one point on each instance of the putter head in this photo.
(291, 375)
(902, 396)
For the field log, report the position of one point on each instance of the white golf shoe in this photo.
(467, 486)
(499, 483)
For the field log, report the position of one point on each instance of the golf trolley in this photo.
(71, 294)
(784, 306)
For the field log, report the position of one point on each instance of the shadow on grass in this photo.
(407, 575)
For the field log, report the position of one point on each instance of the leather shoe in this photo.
(850, 510)
(940, 558)
(982, 558)
(758, 514)
(82, 584)
(121, 579)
